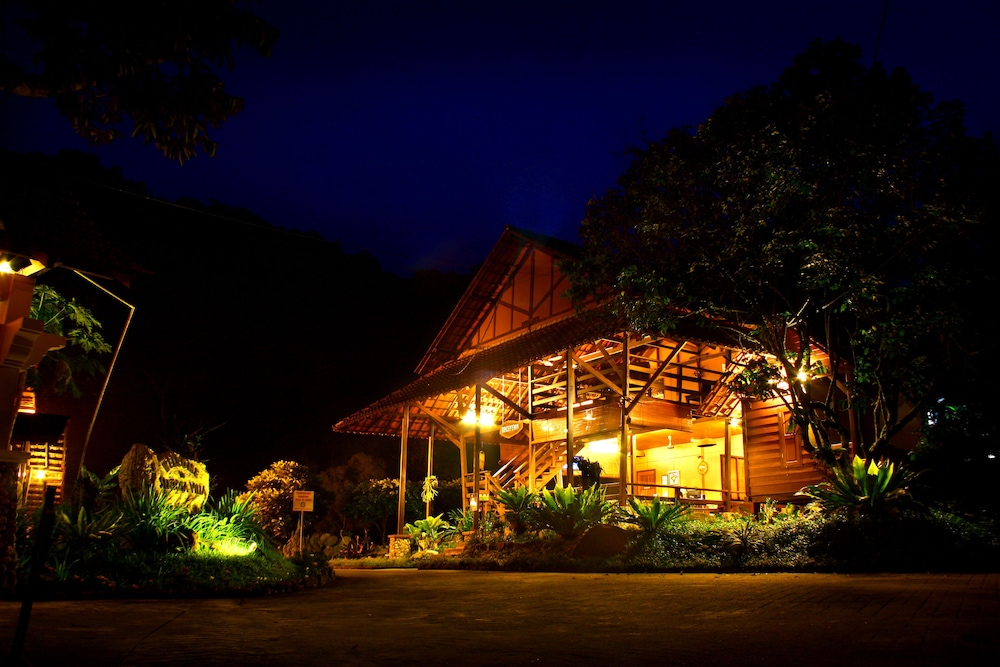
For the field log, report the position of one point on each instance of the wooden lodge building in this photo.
(549, 383)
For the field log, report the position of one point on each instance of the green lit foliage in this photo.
(654, 516)
(866, 487)
(569, 513)
(106, 66)
(228, 526)
(270, 494)
(836, 208)
(518, 504)
(427, 534)
(150, 523)
(84, 342)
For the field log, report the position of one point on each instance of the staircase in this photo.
(550, 457)
(721, 400)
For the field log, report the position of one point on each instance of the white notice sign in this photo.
(302, 501)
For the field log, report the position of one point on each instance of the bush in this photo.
(518, 505)
(270, 495)
(569, 513)
(142, 545)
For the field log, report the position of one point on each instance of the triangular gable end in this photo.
(533, 294)
(518, 288)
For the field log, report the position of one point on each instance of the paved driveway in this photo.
(409, 617)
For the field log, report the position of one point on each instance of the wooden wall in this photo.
(777, 466)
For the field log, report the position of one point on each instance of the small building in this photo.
(524, 384)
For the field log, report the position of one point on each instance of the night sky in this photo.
(417, 130)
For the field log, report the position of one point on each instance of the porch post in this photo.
(570, 400)
(430, 468)
(401, 508)
(623, 445)
(463, 465)
(475, 458)
(727, 452)
(531, 428)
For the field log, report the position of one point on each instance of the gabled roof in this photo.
(461, 357)
(384, 417)
(503, 260)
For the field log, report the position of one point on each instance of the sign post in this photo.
(302, 502)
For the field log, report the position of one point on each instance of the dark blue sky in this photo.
(417, 130)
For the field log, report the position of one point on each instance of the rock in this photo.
(601, 541)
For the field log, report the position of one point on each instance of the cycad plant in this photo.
(655, 516)
(864, 487)
(518, 504)
(569, 513)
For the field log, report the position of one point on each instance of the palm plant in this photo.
(654, 516)
(569, 513)
(518, 504)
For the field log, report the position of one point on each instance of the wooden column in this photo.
(570, 400)
(430, 468)
(727, 452)
(623, 445)
(475, 458)
(401, 508)
(532, 449)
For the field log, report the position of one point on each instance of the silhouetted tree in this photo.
(835, 207)
(150, 67)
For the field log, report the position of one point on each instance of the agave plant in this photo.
(518, 504)
(569, 513)
(654, 516)
(864, 486)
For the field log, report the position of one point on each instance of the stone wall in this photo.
(9, 465)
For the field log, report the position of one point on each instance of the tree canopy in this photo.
(152, 66)
(85, 343)
(837, 209)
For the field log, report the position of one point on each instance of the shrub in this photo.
(569, 513)
(270, 495)
(862, 487)
(428, 533)
(518, 504)
(150, 523)
(654, 516)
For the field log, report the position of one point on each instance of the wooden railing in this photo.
(698, 498)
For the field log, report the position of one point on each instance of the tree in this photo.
(837, 209)
(105, 61)
(84, 342)
(271, 493)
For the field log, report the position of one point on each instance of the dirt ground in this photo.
(410, 617)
